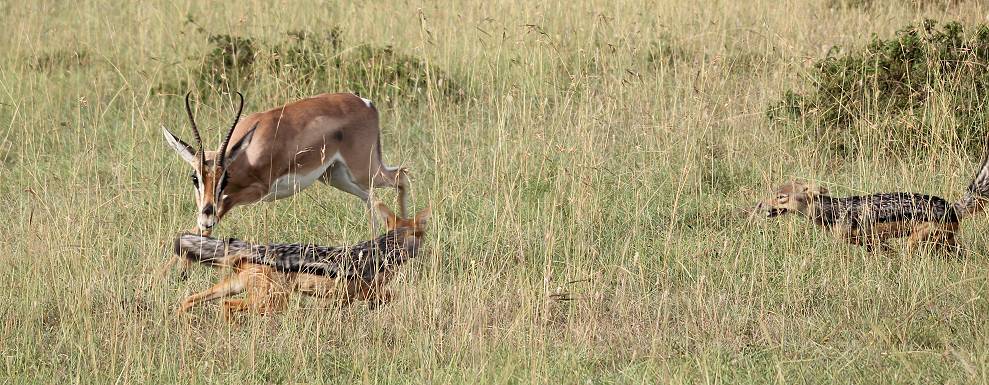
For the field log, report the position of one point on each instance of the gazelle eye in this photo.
(195, 181)
(781, 197)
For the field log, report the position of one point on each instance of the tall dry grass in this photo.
(603, 149)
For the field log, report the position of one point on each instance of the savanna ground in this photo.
(589, 164)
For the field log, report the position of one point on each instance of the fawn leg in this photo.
(918, 235)
(232, 306)
(162, 270)
(230, 285)
(379, 297)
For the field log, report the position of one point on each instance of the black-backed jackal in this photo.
(269, 273)
(871, 220)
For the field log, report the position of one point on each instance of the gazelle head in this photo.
(209, 168)
(794, 196)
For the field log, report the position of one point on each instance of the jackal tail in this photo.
(974, 200)
(210, 251)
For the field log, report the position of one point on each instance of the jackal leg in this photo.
(879, 245)
(941, 236)
(231, 285)
(949, 244)
(184, 265)
(862, 237)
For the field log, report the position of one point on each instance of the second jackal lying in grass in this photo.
(871, 220)
(269, 273)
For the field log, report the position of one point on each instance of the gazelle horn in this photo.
(226, 141)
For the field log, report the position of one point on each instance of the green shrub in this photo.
(869, 4)
(900, 91)
(227, 62)
(317, 61)
(386, 73)
(305, 58)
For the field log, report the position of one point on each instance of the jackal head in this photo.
(411, 229)
(791, 196)
(209, 168)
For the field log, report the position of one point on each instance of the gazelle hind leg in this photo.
(339, 176)
(397, 178)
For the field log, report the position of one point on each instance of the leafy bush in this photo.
(228, 60)
(383, 71)
(868, 4)
(902, 90)
(306, 56)
(318, 61)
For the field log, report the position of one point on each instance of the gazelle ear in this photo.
(242, 144)
(422, 218)
(385, 215)
(180, 147)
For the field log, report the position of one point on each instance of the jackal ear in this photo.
(184, 150)
(385, 215)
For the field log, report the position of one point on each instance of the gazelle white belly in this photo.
(289, 184)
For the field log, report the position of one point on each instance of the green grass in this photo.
(607, 150)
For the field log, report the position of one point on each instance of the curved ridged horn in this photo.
(226, 141)
(195, 130)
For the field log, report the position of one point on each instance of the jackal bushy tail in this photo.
(978, 192)
(209, 251)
